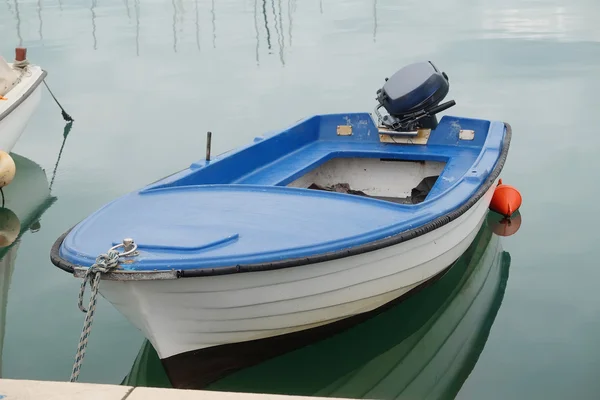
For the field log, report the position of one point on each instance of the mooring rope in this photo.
(21, 64)
(66, 131)
(22, 67)
(65, 116)
(104, 263)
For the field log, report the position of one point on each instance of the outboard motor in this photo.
(412, 96)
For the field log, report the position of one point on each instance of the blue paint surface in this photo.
(236, 209)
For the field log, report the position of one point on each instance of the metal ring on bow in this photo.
(129, 245)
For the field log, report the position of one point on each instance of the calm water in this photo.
(145, 81)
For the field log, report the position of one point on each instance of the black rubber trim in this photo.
(57, 259)
(352, 251)
(25, 96)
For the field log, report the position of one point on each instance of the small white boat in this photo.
(20, 94)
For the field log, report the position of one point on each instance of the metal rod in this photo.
(208, 137)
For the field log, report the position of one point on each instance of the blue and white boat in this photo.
(327, 219)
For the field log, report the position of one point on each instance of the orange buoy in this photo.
(506, 200)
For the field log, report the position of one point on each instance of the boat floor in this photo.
(418, 194)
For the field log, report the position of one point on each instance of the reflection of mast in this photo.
(9, 6)
(94, 23)
(374, 20)
(18, 15)
(291, 9)
(282, 41)
(321, 6)
(264, 9)
(39, 9)
(127, 8)
(174, 27)
(214, 26)
(137, 26)
(197, 27)
(181, 15)
(279, 40)
(256, 29)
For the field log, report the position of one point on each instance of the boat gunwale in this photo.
(25, 95)
(122, 275)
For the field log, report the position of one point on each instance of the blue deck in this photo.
(236, 209)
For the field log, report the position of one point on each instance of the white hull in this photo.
(13, 123)
(188, 314)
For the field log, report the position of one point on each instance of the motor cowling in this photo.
(412, 97)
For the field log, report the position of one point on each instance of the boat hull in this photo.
(19, 108)
(182, 315)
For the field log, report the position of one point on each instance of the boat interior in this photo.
(312, 156)
(398, 181)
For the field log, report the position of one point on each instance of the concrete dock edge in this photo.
(18, 389)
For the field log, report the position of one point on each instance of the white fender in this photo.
(7, 169)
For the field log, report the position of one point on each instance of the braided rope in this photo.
(104, 263)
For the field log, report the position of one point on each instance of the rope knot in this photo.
(21, 64)
(104, 263)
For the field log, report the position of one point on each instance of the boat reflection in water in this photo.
(25, 199)
(422, 347)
